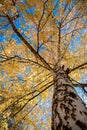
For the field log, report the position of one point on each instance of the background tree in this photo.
(43, 46)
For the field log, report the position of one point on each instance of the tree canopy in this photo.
(34, 37)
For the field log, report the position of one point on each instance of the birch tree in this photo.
(45, 41)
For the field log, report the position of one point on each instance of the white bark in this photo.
(68, 110)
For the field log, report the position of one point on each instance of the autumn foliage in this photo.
(35, 36)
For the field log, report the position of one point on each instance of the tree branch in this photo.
(59, 40)
(81, 85)
(4, 50)
(74, 30)
(30, 99)
(36, 54)
(78, 84)
(70, 10)
(50, 13)
(72, 20)
(20, 98)
(38, 28)
(79, 66)
(21, 60)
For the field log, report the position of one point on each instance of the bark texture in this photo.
(68, 110)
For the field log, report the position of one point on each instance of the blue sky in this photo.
(18, 23)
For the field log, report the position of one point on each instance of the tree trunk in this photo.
(68, 110)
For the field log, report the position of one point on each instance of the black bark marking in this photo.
(67, 123)
(70, 101)
(73, 116)
(59, 126)
(62, 106)
(60, 123)
(66, 117)
(85, 113)
(67, 110)
(66, 128)
(73, 95)
(80, 112)
(81, 125)
(74, 109)
(75, 105)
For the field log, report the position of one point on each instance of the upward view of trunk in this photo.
(68, 110)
